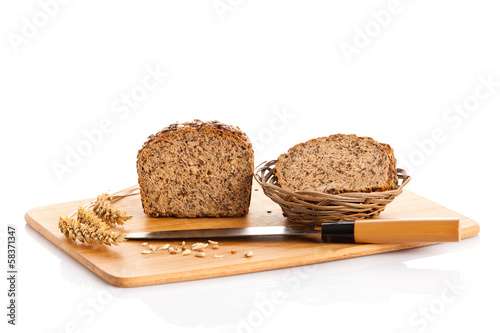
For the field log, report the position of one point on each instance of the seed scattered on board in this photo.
(164, 247)
(199, 246)
(186, 250)
(174, 249)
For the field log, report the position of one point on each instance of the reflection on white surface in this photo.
(245, 302)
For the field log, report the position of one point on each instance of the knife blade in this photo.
(224, 232)
(416, 230)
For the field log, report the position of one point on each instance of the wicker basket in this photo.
(311, 207)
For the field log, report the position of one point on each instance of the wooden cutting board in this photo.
(125, 266)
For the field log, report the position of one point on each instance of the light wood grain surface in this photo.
(125, 266)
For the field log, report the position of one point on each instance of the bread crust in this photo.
(196, 125)
(227, 132)
(392, 178)
(392, 173)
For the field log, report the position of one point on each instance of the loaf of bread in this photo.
(336, 164)
(196, 169)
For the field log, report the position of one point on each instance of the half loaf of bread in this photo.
(196, 169)
(336, 164)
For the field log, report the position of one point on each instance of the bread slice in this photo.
(336, 164)
(196, 169)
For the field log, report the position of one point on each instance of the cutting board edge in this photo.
(472, 229)
(236, 269)
(146, 280)
(266, 265)
(110, 278)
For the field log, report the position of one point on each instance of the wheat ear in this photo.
(103, 209)
(89, 229)
(99, 231)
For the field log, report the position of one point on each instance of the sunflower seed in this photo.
(146, 252)
(144, 244)
(199, 246)
(200, 254)
(249, 254)
(218, 256)
(164, 247)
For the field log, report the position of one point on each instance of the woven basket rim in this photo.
(376, 194)
(313, 207)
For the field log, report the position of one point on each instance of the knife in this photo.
(415, 230)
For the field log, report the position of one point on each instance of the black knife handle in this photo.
(338, 232)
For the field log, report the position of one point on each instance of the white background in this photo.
(276, 69)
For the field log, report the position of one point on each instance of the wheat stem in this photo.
(131, 190)
(89, 228)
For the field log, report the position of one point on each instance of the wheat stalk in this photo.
(99, 230)
(85, 216)
(89, 229)
(132, 190)
(103, 209)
